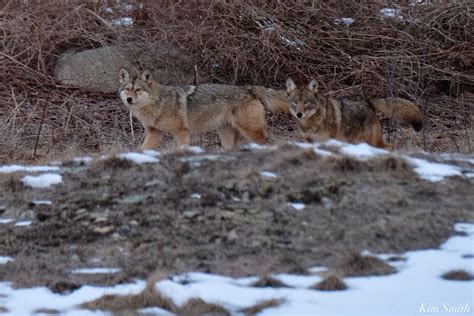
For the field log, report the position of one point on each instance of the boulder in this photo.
(98, 69)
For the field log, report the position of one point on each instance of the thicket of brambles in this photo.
(422, 51)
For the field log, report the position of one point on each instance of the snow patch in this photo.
(125, 21)
(195, 196)
(346, 21)
(5, 259)
(6, 220)
(392, 13)
(268, 174)
(41, 202)
(433, 171)
(139, 158)
(23, 223)
(44, 180)
(95, 271)
(85, 159)
(195, 149)
(25, 301)
(297, 206)
(361, 151)
(18, 168)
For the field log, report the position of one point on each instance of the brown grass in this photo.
(268, 281)
(330, 283)
(360, 265)
(149, 297)
(112, 163)
(425, 57)
(13, 184)
(197, 307)
(458, 275)
(260, 306)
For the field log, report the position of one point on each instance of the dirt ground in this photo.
(145, 218)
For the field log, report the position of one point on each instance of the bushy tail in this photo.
(274, 100)
(400, 109)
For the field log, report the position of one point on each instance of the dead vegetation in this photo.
(330, 283)
(422, 53)
(261, 306)
(268, 281)
(458, 275)
(356, 264)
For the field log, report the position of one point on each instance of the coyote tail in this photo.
(400, 109)
(274, 101)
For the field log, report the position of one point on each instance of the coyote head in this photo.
(302, 101)
(135, 92)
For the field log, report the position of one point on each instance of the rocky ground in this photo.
(245, 212)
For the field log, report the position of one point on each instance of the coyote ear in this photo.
(124, 75)
(146, 75)
(290, 85)
(313, 86)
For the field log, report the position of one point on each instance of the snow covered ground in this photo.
(416, 287)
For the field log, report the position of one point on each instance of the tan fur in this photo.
(186, 110)
(352, 121)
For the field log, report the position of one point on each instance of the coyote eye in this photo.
(127, 89)
(138, 90)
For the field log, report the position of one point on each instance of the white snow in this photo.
(254, 146)
(25, 301)
(433, 171)
(392, 13)
(125, 21)
(152, 152)
(298, 281)
(139, 158)
(267, 174)
(297, 206)
(346, 21)
(5, 259)
(154, 311)
(95, 271)
(6, 220)
(317, 269)
(361, 151)
(41, 202)
(195, 149)
(23, 223)
(44, 180)
(18, 168)
(85, 159)
(195, 196)
(314, 147)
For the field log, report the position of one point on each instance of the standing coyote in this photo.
(352, 121)
(185, 110)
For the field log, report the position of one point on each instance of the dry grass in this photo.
(12, 184)
(426, 56)
(360, 265)
(197, 307)
(149, 297)
(330, 283)
(260, 306)
(458, 275)
(112, 163)
(268, 281)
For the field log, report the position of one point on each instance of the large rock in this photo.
(98, 69)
